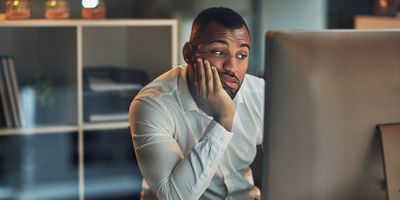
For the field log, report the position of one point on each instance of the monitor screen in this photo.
(326, 92)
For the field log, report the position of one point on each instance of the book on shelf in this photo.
(9, 91)
(6, 106)
(2, 117)
(14, 79)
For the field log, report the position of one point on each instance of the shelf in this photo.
(376, 22)
(37, 130)
(82, 22)
(63, 129)
(105, 126)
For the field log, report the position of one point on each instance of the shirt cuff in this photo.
(215, 133)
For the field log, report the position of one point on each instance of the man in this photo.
(196, 127)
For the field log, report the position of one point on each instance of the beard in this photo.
(231, 93)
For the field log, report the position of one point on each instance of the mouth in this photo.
(229, 81)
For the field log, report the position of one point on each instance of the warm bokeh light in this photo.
(383, 3)
(53, 3)
(16, 3)
(90, 3)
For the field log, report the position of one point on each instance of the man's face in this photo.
(228, 50)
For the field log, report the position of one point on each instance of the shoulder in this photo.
(153, 102)
(160, 91)
(161, 87)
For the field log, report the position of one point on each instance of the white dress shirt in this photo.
(183, 153)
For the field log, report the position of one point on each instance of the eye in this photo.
(218, 53)
(242, 56)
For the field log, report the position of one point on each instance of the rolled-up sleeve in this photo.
(170, 173)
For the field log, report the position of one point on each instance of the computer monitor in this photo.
(325, 93)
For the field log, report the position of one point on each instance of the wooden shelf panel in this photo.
(105, 126)
(38, 130)
(81, 22)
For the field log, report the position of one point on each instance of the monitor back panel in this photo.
(326, 91)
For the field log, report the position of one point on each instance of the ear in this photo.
(188, 53)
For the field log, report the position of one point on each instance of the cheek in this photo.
(218, 63)
(242, 71)
(215, 61)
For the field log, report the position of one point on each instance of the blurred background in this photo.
(46, 163)
(261, 15)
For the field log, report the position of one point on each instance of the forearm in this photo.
(176, 176)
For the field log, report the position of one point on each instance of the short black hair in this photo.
(221, 15)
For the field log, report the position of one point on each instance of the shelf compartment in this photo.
(41, 166)
(46, 68)
(138, 47)
(123, 50)
(109, 157)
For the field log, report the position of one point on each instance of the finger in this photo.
(196, 75)
(202, 79)
(217, 80)
(195, 79)
(209, 76)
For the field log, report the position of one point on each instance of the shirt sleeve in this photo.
(169, 173)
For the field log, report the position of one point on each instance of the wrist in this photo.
(225, 121)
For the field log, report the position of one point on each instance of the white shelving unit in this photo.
(62, 49)
(94, 42)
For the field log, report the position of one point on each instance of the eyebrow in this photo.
(224, 42)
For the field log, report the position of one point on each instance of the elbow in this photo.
(168, 191)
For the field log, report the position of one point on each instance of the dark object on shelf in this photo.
(117, 75)
(9, 94)
(108, 91)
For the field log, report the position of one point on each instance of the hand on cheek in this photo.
(212, 97)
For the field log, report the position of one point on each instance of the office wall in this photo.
(289, 14)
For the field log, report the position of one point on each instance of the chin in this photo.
(231, 93)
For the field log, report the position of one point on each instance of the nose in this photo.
(230, 64)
